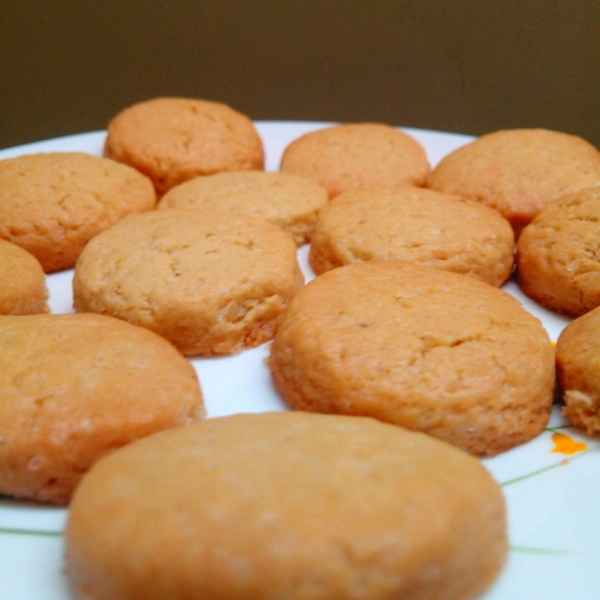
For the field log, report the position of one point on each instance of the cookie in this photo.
(76, 387)
(52, 204)
(577, 352)
(286, 505)
(558, 254)
(23, 288)
(212, 283)
(422, 348)
(349, 156)
(413, 225)
(290, 201)
(172, 140)
(518, 171)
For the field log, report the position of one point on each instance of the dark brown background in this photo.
(466, 66)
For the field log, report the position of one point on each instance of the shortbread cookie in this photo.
(419, 347)
(518, 171)
(76, 387)
(559, 254)
(210, 282)
(577, 352)
(23, 288)
(417, 226)
(286, 505)
(346, 157)
(172, 140)
(288, 200)
(53, 204)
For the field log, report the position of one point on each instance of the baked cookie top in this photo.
(414, 225)
(558, 254)
(419, 347)
(52, 204)
(577, 351)
(174, 139)
(285, 199)
(210, 282)
(23, 288)
(353, 155)
(76, 387)
(518, 171)
(286, 505)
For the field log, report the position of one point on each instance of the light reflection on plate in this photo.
(554, 520)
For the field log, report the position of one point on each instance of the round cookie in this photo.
(417, 226)
(558, 254)
(172, 140)
(52, 204)
(290, 201)
(419, 347)
(286, 505)
(23, 288)
(212, 282)
(349, 156)
(76, 387)
(577, 359)
(518, 171)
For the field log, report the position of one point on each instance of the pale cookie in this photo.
(346, 157)
(76, 387)
(210, 282)
(558, 254)
(53, 204)
(577, 356)
(419, 347)
(23, 288)
(518, 171)
(286, 505)
(172, 140)
(288, 200)
(417, 226)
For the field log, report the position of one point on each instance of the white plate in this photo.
(554, 517)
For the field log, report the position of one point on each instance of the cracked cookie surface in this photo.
(212, 283)
(426, 349)
(52, 204)
(76, 387)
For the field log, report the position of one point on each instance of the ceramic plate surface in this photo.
(552, 484)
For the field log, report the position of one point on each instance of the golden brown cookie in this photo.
(349, 156)
(52, 204)
(286, 505)
(76, 387)
(210, 282)
(288, 200)
(577, 353)
(577, 358)
(23, 288)
(558, 254)
(172, 140)
(417, 226)
(419, 347)
(518, 171)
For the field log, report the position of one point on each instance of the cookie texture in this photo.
(353, 155)
(52, 204)
(285, 199)
(286, 505)
(418, 347)
(558, 254)
(76, 387)
(212, 283)
(172, 140)
(577, 361)
(23, 288)
(414, 225)
(518, 171)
